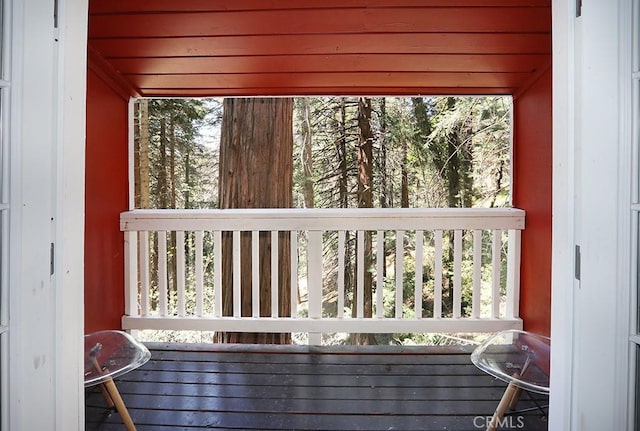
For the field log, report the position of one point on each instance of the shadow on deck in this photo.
(243, 387)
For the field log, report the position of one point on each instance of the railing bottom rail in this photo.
(324, 325)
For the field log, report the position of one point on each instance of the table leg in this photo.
(119, 404)
(502, 407)
(516, 397)
(107, 399)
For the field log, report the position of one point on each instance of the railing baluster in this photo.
(199, 273)
(274, 274)
(237, 294)
(255, 273)
(131, 306)
(418, 274)
(399, 272)
(496, 261)
(457, 273)
(143, 265)
(360, 275)
(477, 273)
(437, 276)
(314, 280)
(162, 273)
(180, 272)
(513, 274)
(341, 245)
(217, 273)
(294, 273)
(380, 274)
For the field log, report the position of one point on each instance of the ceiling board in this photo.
(114, 6)
(324, 91)
(322, 21)
(331, 63)
(448, 43)
(328, 79)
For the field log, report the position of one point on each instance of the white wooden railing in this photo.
(188, 297)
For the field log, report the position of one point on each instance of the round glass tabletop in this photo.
(109, 354)
(517, 357)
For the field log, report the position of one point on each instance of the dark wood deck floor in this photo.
(194, 387)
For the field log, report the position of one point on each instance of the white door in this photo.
(592, 178)
(633, 76)
(4, 215)
(42, 210)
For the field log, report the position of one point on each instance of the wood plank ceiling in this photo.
(303, 47)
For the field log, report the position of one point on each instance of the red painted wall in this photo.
(532, 171)
(106, 197)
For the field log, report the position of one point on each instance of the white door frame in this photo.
(562, 279)
(47, 214)
(590, 317)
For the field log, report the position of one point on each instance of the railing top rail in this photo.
(288, 219)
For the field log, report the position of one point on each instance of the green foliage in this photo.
(455, 151)
(182, 158)
(437, 151)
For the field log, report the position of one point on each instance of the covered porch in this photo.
(136, 50)
(462, 47)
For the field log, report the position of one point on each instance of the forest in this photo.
(324, 152)
(426, 151)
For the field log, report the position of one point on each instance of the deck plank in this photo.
(188, 387)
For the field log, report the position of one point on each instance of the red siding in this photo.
(532, 167)
(106, 197)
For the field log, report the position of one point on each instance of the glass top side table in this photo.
(107, 355)
(519, 358)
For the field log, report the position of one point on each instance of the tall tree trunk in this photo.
(187, 178)
(172, 162)
(404, 177)
(422, 131)
(453, 161)
(256, 171)
(142, 185)
(163, 183)
(172, 249)
(342, 154)
(307, 159)
(383, 154)
(384, 180)
(498, 184)
(141, 167)
(343, 179)
(365, 200)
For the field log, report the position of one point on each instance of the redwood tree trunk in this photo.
(343, 181)
(256, 171)
(404, 177)
(307, 156)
